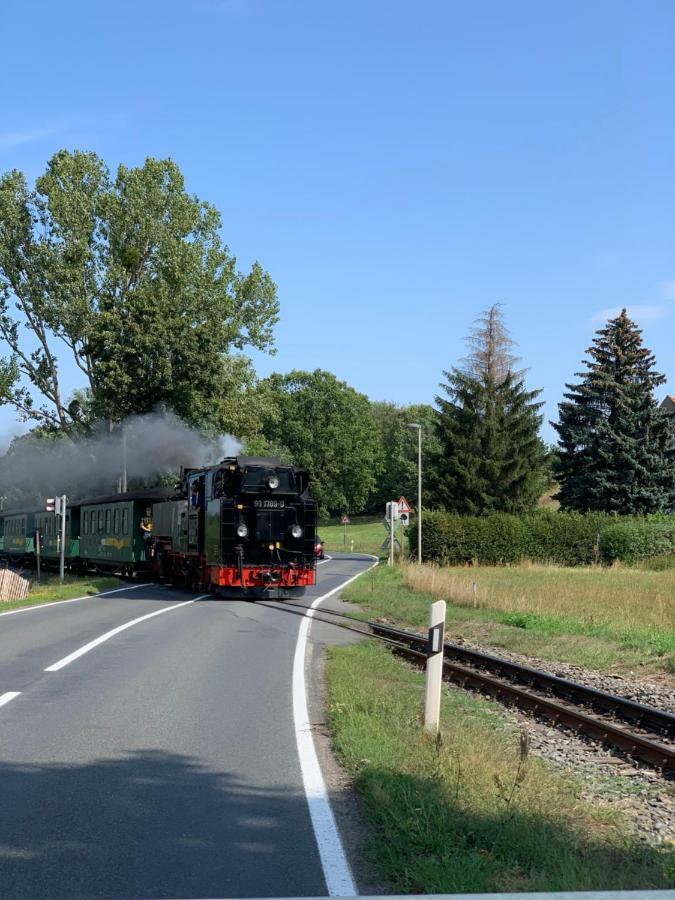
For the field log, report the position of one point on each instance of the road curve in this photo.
(163, 761)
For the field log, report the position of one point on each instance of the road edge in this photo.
(335, 865)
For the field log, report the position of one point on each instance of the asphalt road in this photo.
(162, 763)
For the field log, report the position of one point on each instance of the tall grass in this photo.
(473, 811)
(602, 619)
(627, 598)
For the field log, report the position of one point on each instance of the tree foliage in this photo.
(617, 448)
(491, 457)
(130, 278)
(398, 443)
(328, 428)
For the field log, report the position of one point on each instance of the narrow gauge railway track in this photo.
(540, 693)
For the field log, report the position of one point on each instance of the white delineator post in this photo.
(434, 681)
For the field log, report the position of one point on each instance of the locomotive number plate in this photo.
(269, 504)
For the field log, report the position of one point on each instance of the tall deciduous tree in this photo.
(327, 427)
(491, 458)
(129, 277)
(617, 448)
(398, 473)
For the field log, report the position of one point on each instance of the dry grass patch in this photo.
(628, 598)
(614, 620)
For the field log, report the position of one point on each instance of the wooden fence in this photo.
(12, 586)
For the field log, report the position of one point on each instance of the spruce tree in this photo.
(617, 448)
(491, 458)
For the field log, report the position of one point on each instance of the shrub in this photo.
(546, 536)
(633, 540)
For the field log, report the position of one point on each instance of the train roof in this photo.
(156, 493)
(270, 461)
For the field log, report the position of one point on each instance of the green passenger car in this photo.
(115, 530)
(18, 533)
(110, 534)
(49, 526)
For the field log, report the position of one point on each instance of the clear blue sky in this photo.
(396, 166)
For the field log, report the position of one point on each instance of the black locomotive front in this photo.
(247, 523)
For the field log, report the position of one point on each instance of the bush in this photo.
(546, 536)
(633, 540)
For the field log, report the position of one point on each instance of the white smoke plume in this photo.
(155, 445)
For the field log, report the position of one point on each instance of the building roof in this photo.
(669, 404)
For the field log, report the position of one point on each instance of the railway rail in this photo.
(592, 712)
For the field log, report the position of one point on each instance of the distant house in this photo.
(669, 405)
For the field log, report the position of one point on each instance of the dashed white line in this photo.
(76, 654)
(336, 870)
(9, 695)
(133, 587)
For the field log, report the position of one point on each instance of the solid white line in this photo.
(109, 634)
(336, 870)
(10, 695)
(133, 587)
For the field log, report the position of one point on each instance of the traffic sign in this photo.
(404, 506)
(404, 519)
(393, 510)
(345, 520)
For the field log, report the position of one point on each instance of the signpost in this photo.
(404, 507)
(392, 518)
(58, 506)
(345, 521)
(389, 522)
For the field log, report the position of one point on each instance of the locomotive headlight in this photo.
(273, 482)
(296, 531)
(242, 530)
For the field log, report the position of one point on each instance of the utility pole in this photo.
(60, 510)
(418, 428)
(124, 462)
(37, 552)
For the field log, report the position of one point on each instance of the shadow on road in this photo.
(150, 824)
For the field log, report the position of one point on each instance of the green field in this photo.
(474, 811)
(50, 590)
(367, 533)
(607, 619)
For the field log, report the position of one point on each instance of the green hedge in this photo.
(568, 539)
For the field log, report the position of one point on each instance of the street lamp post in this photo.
(418, 428)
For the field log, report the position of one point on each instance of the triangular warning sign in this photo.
(404, 506)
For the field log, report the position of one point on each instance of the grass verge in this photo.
(519, 609)
(51, 589)
(366, 532)
(473, 812)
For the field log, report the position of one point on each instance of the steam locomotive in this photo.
(247, 524)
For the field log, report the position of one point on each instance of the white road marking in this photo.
(133, 587)
(336, 870)
(9, 695)
(115, 631)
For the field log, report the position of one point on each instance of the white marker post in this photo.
(432, 691)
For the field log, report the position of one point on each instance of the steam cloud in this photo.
(157, 445)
